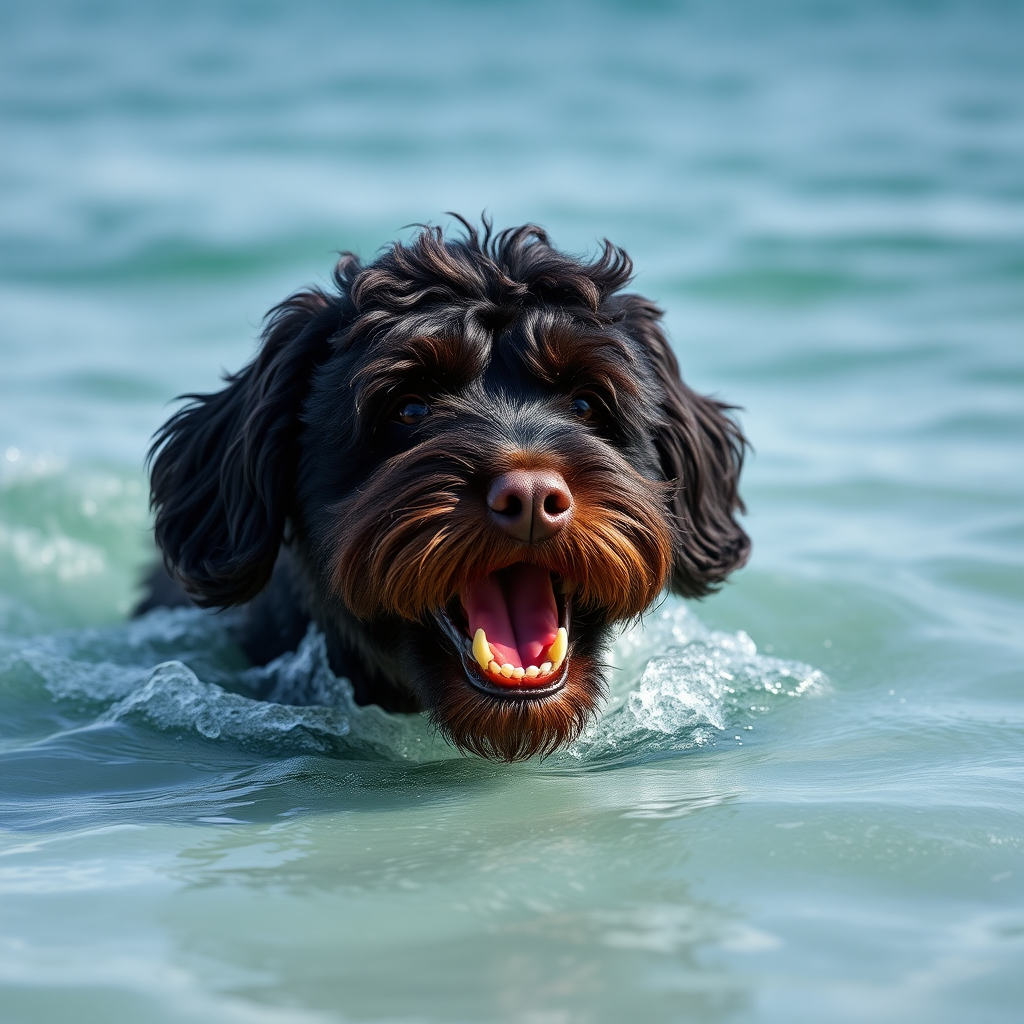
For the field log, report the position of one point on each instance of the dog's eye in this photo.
(582, 409)
(411, 410)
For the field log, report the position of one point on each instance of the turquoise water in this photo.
(804, 801)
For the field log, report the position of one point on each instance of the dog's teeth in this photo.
(558, 649)
(545, 668)
(518, 673)
(481, 649)
(494, 668)
(507, 670)
(532, 672)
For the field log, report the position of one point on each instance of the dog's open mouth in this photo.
(512, 631)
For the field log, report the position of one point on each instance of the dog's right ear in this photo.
(701, 450)
(223, 466)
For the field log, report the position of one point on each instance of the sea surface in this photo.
(805, 799)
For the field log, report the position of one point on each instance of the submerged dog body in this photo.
(466, 463)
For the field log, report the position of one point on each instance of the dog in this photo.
(467, 462)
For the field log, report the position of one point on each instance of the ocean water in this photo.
(804, 800)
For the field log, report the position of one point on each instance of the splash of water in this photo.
(675, 686)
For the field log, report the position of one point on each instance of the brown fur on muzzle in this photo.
(409, 541)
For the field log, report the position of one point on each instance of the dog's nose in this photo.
(530, 504)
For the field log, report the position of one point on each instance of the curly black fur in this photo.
(297, 491)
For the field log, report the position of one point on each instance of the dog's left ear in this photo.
(223, 467)
(701, 452)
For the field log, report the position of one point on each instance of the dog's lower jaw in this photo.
(409, 666)
(507, 725)
(514, 728)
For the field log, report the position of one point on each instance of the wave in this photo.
(675, 686)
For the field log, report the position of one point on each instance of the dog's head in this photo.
(482, 454)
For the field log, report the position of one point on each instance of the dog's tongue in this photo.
(516, 609)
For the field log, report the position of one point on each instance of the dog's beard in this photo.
(506, 728)
(416, 544)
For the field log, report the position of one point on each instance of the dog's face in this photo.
(486, 459)
(494, 496)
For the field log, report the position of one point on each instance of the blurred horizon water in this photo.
(803, 800)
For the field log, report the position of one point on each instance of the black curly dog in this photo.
(465, 463)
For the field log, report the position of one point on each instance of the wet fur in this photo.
(295, 492)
